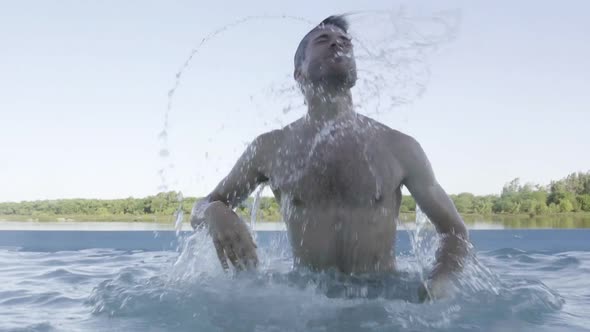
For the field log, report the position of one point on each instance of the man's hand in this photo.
(231, 237)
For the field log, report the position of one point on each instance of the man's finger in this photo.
(221, 254)
(252, 259)
(242, 253)
(233, 258)
(247, 254)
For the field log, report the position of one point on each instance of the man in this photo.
(338, 177)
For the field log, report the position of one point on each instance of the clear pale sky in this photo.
(83, 88)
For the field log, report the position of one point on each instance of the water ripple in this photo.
(161, 291)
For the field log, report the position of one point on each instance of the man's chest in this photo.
(347, 168)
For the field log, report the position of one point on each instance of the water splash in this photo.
(476, 277)
(392, 51)
(165, 153)
(179, 215)
(424, 242)
(255, 207)
(196, 260)
(193, 293)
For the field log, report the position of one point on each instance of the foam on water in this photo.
(277, 298)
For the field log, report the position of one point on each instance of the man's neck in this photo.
(325, 105)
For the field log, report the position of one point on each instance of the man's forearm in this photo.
(451, 254)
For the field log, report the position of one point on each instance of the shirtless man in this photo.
(337, 175)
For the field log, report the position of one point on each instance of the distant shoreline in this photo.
(566, 201)
(404, 217)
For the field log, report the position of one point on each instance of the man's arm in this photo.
(436, 204)
(248, 172)
(230, 235)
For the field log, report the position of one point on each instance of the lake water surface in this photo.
(525, 280)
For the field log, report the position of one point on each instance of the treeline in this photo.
(162, 204)
(570, 194)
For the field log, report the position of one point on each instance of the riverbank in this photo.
(169, 218)
(557, 220)
(89, 218)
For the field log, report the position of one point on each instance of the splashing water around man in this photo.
(337, 175)
(392, 51)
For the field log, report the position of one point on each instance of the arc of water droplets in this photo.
(391, 65)
(401, 55)
(410, 52)
(163, 136)
(212, 35)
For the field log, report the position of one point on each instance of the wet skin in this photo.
(338, 177)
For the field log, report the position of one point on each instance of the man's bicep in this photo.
(428, 193)
(439, 208)
(244, 176)
(418, 173)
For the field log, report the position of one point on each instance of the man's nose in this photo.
(336, 43)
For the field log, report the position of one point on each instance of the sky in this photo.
(84, 85)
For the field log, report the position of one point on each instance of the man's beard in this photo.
(341, 80)
(335, 80)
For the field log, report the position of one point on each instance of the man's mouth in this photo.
(341, 56)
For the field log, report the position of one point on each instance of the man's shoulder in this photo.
(280, 134)
(268, 139)
(392, 136)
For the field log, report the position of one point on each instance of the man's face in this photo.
(329, 59)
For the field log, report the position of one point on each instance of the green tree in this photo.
(584, 202)
(566, 205)
(528, 206)
(463, 202)
(483, 205)
(541, 208)
(408, 204)
(511, 187)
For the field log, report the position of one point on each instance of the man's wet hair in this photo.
(338, 21)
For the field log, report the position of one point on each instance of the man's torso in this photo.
(339, 190)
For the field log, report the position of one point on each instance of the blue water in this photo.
(520, 280)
